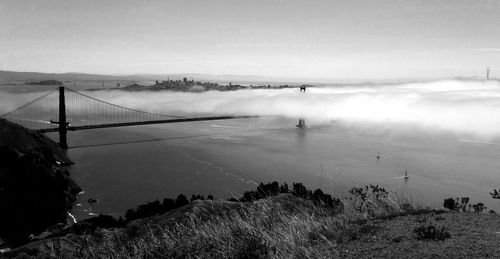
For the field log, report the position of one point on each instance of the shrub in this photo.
(156, 207)
(451, 204)
(144, 210)
(264, 191)
(298, 189)
(359, 194)
(362, 195)
(463, 203)
(479, 207)
(495, 194)
(181, 201)
(379, 192)
(197, 197)
(168, 204)
(431, 232)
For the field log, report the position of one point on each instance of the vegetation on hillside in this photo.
(272, 221)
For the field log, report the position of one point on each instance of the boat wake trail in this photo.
(479, 142)
(225, 126)
(221, 170)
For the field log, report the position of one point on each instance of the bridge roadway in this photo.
(125, 124)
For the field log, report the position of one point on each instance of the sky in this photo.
(303, 39)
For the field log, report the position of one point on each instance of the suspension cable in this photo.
(27, 104)
(118, 106)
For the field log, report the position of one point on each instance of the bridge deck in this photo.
(125, 124)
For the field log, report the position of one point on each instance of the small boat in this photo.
(90, 200)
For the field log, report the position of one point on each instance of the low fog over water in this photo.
(446, 134)
(454, 105)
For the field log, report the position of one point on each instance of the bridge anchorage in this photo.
(78, 111)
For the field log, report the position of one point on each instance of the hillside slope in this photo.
(283, 226)
(34, 192)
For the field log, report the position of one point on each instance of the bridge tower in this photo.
(63, 124)
(302, 121)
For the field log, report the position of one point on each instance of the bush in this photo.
(463, 203)
(157, 207)
(181, 201)
(431, 232)
(298, 189)
(495, 194)
(450, 204)
(479, 207)
(362, 195)
(263, 191)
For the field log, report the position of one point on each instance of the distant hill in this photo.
(46, 82)
(8, 77)
(11, 76)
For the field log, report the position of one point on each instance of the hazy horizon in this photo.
(341, 40)
(235, 78)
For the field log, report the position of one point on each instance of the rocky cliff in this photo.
(35, 191)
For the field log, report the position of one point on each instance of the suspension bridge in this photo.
(64, 109)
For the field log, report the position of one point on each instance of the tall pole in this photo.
(62, 120)
(487, 73)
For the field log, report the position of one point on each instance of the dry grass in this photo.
(262, 229)
(279, 227)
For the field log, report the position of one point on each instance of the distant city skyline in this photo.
(359, 39)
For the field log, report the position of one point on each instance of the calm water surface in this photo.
(124, 167)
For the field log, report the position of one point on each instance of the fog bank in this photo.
(454, 105)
